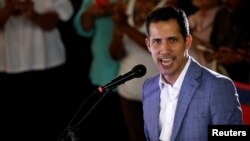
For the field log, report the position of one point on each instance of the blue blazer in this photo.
(205, 98)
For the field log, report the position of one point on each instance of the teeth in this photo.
(167, 61)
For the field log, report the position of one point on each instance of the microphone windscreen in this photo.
(139, 70)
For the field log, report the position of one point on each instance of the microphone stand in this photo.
(136, 72)
(71, 128)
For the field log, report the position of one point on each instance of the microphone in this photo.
(136, 72)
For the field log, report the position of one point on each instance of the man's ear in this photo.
(147, 41)
(188, 41)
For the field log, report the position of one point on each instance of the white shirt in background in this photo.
(27, 47)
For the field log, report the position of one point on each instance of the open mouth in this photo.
(167, 61)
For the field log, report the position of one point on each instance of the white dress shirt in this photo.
(168, 102)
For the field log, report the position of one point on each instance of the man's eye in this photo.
(172, 40)
(156, 41)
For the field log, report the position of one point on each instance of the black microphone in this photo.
(136, 72)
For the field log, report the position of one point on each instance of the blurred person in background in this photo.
(32, 67)
(201, 25)
(94, 20)
(230, 39)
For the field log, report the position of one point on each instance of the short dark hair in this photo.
(166, 13)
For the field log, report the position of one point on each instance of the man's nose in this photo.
(166, 46)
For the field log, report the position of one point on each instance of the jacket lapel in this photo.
(187, 91)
